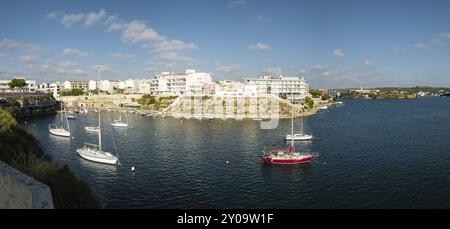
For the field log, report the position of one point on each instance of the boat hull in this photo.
(95, 156)
(119, 124)
(91, 129)
(287, 161)
(59, 132)
(298, 138)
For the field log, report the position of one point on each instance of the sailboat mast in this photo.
(62, 122)
(292, 120)
(99, 122)
(65, 116)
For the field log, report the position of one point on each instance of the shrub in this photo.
(22, 151)
(7, 121)
(309, 102)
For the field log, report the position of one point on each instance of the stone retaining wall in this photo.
(20, 191)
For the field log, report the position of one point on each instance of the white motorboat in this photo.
(323, 107)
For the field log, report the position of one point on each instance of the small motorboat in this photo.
(323, 107)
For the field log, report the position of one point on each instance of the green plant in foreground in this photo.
(22, 151)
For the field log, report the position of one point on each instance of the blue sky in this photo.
(333, 44)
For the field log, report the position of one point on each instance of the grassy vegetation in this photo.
(73, 92)
(155, 102)
(23, 152)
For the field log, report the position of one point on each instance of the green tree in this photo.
(316, 93)
(325, 97)
(309, 102)
(17, 83)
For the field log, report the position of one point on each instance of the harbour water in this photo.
(373, 154)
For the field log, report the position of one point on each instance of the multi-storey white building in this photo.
(187, 83)
(81, 84)
(30, 87)
(54, 88)
(281, 85)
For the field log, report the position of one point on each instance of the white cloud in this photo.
(74, 52)
(338, 53)
(259, 46)
(174, 45)
(319, 67)
(79, 72)
(138, 32)
(228, 69)
(326, 73)
(69, 19)
(54, 14)
(233, 4)
(303, 72)
(29, 47)
(103, 68)
(439, 42)
(116, 26)
(27, 59)
(275, 71)
(122, 56)
(174, 57)
(3, 55)
(422, 46)
(93, 18)
(264, 18)
(66, 64)
(445, 35)
(368, 62)
(135, 32)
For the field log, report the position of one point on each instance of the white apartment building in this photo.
(81, 84)
(281, 85)
(31, 85)
(54, 88)
(188, 83)
(92, 85)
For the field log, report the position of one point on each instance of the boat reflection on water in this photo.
(58, 139)
(291, 169)
(98, 167)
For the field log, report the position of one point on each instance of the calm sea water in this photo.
(373, 154)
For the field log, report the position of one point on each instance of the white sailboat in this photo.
(297, 136)
(95, 153)
(119, 123)
(59, 130)
(92, 129)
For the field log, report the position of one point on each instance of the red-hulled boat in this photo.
(286, 156)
